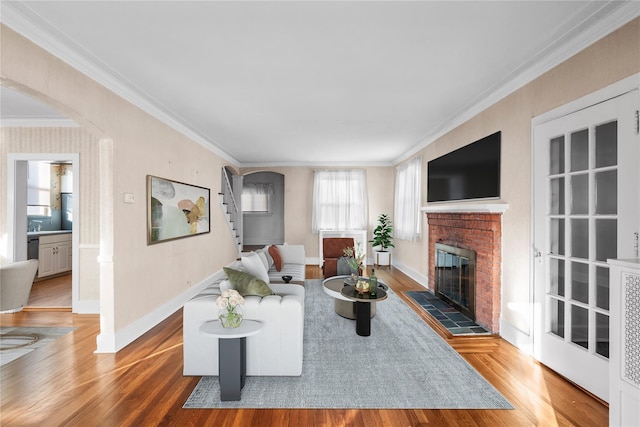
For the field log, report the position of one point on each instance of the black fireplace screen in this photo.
(456, 277)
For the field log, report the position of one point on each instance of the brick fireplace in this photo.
(478, 230)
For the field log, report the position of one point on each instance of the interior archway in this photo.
(262, 227)
(45, 123)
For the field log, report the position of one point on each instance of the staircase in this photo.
(230, 210)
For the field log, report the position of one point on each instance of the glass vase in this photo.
(230, 317)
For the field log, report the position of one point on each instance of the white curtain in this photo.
(257, 189)
(339, 200)
(407, 217)
(256, 197)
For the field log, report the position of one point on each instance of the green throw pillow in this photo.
(246, 284)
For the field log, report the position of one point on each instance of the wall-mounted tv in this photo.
(470, 172)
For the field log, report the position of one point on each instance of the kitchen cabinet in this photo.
(54, 254)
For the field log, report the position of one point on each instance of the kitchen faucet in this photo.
(36, 227)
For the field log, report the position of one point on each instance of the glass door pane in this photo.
(583, 177)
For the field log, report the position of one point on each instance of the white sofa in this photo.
(277, 349)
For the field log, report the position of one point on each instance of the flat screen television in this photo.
(470, 172)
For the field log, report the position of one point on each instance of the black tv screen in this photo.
(470, 172)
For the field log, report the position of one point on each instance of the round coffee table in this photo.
(363, 304)
(344, 306)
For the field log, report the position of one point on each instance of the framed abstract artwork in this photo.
(176, 210)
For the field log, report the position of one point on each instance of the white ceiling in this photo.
(302, 82)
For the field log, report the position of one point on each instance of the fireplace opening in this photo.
(455, 278)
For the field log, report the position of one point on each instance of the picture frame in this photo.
(176, 210)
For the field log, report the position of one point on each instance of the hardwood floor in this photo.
(51, 294)
(65, 383)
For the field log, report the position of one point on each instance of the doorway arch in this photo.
(262, 228)
(85, 247)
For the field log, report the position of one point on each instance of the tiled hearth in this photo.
(450, 318)
(477, 228)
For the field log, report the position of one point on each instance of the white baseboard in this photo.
(112, 343)
(513, 335)
(87, 307)
(418, 277)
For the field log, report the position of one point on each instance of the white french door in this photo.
(586, 210)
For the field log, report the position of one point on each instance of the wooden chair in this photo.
(332, 250)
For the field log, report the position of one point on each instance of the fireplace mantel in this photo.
(498, 208)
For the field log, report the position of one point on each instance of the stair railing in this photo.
(231, 209)
(229, 199)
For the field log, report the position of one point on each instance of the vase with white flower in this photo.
(230, 313)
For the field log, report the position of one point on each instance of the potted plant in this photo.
(382, 239)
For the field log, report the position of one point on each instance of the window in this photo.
(39, 189)
(256, 198)
(339, 200)
(407, 200)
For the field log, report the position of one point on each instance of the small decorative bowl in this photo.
(287, 279)
(362, 286)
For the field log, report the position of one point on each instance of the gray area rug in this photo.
(403, 364)
(12, 336)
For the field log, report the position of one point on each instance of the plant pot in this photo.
(382, 258)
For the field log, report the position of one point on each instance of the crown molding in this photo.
(609, 18)
(24, 21)
(317, 164)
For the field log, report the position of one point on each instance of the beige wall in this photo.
(298, 200)
(144, 277)
(611, 59)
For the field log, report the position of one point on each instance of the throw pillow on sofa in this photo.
(253, 265)
(291, 254)
(266, 253)
(246, 284)
(263, 257)
(275, 254)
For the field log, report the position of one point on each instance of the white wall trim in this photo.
(112, 343)
(418, 277)
(515, 336)
(613, 90)
(498, 208)
(87, 307)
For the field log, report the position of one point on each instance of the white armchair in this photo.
(15, 284)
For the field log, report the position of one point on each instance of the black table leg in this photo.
(232, 367)
(363, 318)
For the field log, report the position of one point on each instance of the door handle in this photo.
(537, 254)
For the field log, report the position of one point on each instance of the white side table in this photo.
(232, 354)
